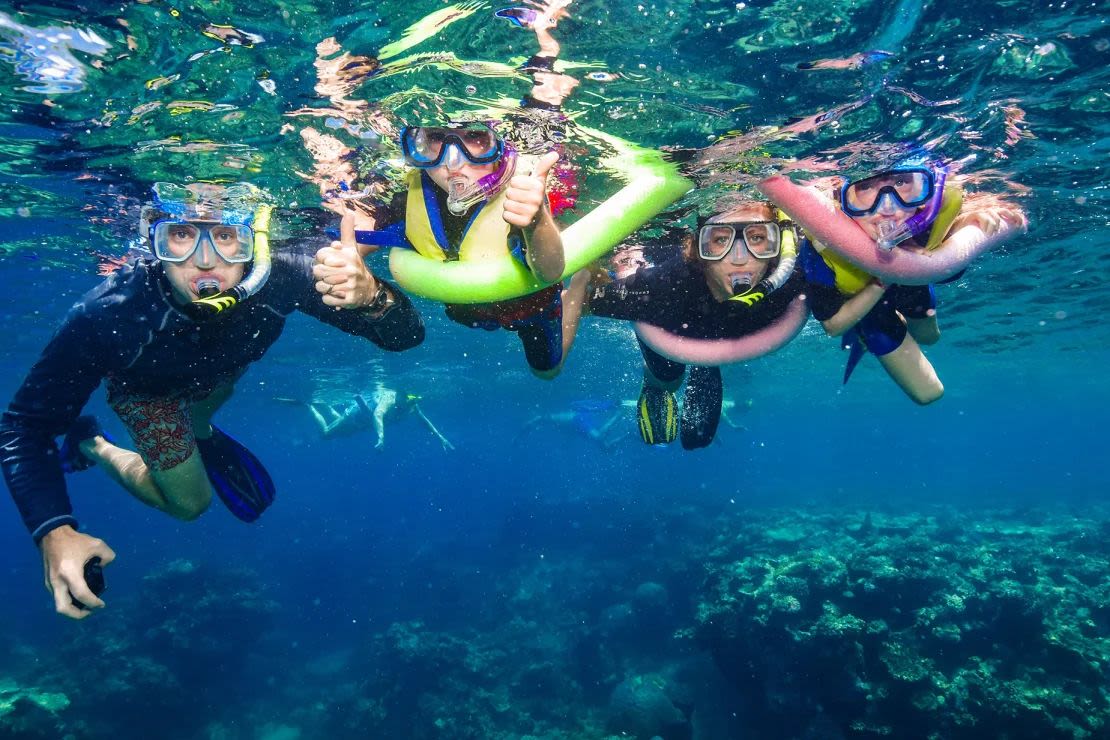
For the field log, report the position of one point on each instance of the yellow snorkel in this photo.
(788, 257)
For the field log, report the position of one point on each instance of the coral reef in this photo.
(183, 640)
(915, 626)
(753, 624)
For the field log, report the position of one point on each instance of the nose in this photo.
(454, 159)
(888, 206)
(205, 257)
(739, 254)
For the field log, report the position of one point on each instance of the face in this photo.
(889, 209)
(205, 265)
(457, 173)
(738, 269)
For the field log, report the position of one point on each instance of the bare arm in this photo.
(428, 422)
(526, 207)
(854, 309)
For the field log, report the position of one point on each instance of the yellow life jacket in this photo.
(849, 278)
(485, 237)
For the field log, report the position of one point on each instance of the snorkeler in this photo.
(170, 335)
(734, 280)
(907, 212)
(361, 412)
(595, 419)
(469, 196)
(598, 419)
(462, 202)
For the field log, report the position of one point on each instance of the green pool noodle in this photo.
(653, 184)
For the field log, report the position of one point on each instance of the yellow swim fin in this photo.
(657, 415)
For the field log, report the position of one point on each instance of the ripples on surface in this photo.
(1017, 88)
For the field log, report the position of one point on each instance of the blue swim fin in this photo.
(84, 427)
(856, 350)
(236, 475)
(519, 17)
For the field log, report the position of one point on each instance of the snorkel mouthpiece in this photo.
(891, 236)
(458, 196)
(461, 196)
(741, 281)
(208, 287)
(213, 304)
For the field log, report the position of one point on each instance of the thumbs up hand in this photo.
(342, 277)
(526, 195)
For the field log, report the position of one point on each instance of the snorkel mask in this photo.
(455, 145)
(915, 183)
(229, 223)
(763, 240)
(788, 257)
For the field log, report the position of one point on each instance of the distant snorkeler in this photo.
(595, 419)
(369, 410)
(171, 334)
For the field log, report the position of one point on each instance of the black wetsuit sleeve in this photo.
(44, 407)
(646, 295)
(399, 328)
(824, 300)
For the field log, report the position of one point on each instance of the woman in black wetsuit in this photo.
(729, 281)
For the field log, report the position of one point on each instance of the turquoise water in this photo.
(532, 583)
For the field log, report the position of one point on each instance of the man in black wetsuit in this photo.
(735, 254)
(171, 335)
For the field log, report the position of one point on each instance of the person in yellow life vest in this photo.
(467, 199)
(470, 197)
(905, 206)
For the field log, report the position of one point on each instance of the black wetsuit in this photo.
(130, 332)
(675, 297)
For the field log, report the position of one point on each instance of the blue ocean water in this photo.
(532, 583)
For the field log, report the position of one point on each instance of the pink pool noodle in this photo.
(827, 224)
(691, 351)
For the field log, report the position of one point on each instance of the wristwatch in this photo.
(382, 301)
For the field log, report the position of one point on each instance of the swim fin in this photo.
(657, 413)
(236, 475)
(84, 427)
(852, 342)
(701, 407)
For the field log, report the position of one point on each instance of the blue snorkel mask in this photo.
(910, 185)
(454, 145)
